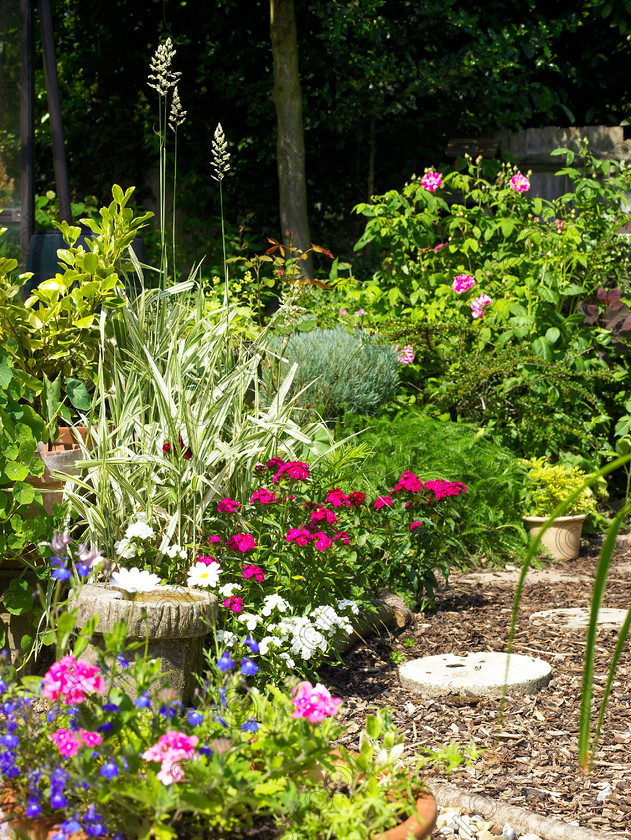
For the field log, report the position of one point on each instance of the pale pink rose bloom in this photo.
(343, 311)
(520, 183)
(478, 304)
(431, 181)
(405, 354)
(462, 283)
(559, 224)
(360, 312)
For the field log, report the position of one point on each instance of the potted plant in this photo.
(124, 759)
(548, 485)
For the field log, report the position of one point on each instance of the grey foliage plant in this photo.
(338, 371)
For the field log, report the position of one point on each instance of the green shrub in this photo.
(490, 523)
(550, 484)
(340, 372)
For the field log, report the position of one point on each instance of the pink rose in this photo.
(520, 183)
(462, 283)
(478, 304)
(431, 181)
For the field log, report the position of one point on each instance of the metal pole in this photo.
(27, 128)
(54, 108)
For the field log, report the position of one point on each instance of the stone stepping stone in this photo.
(578, 617)
(475, 674)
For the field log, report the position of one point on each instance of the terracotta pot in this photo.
(562, 540)
(62, 456)
(26, 828)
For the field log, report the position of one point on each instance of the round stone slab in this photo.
(478, 674)
(579, 617)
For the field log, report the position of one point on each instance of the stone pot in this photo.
(562, 540)
(172, 621)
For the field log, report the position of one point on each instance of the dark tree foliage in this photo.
(385, 86)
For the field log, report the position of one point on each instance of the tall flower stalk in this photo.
(221, 165)
(162, 78)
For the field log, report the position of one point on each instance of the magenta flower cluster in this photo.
(71, 679)
(314, 702)
(171, 749)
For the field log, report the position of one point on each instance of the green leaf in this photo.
(18, 598)
(508, 225)
(307, 325)
(552, 335)
(90, 263)
(542, 348)
(6, 372)
(26, 643)
(373, 726)
(15, 471)
(548, 294)
(78, 394)
(23, 493)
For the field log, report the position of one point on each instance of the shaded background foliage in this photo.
(385, 85)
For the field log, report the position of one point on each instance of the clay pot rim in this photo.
(561, 520)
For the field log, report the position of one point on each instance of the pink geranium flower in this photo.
(71, 679)
(170, 750)
(462, 283)
(431, 181)
(314, 702)
(520, 183)
(65, 742)
(241, 542)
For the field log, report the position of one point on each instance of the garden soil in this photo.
(531, 759)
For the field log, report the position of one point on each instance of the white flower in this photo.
(265, 643)
(133, 580)
(175, 550)
(250, 620)
(226, 637)
(139, 529)
(229, 588)
(274, 602)
(125, 549)
(325, 618)
(343, 603)
(290, 662)
(204, 576)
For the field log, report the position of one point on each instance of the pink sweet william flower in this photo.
(227, 506)
(65, 741)
(431, 181)
(343, 537)
(241, 542)
(299, 535)
(439, 246)
(214, 538)
(71, 679)
(415, 525)
(314, 702)
(323, 513)
(233, 603)
(409, 482)
(274, 463)
(297, 470)
(206, 560)
(478, 304)
(356, 498)
(336, 498)
(253, 571)
(405, 354)
(263, 496)
(462, 283)
(441, 488)
(169, 751)
(382, 501)
(322, 541)
(520, 183)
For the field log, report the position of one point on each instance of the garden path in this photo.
(532, 762)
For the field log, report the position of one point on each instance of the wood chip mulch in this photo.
(531, 760)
